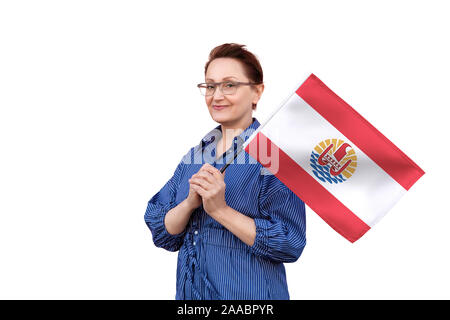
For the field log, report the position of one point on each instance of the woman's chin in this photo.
(220, 116)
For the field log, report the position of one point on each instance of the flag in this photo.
(333, 159)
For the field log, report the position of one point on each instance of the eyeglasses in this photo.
(226, 87)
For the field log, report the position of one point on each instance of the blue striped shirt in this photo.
(212, 262)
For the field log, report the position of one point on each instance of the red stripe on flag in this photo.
(366, 137)
(307, 188)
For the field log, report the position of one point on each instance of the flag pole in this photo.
(231, 160)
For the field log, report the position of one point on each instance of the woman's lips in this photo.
(219, 107)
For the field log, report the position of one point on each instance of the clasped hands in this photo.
(207, 186)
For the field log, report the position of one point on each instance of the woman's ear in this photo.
(259, 91)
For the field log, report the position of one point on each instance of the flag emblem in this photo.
(333, 161)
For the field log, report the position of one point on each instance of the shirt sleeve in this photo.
(157, 208)
(281, 231)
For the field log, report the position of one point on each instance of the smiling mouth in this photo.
(218, 107)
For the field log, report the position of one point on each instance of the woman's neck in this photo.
(229, 131)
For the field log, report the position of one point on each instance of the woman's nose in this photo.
(218, 94)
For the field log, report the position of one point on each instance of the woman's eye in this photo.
(210, 87)
(230, 85)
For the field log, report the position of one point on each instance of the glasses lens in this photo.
(229, 88)
(210, 89)
(207, 89)
(202, 88)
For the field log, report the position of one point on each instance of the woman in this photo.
(233, 230)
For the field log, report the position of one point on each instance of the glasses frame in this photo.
(237, 83)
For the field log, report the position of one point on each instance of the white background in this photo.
(98, 104)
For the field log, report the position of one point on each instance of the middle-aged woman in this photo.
(233, 230)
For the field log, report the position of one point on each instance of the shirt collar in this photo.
(216, 133)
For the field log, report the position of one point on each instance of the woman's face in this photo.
(238, 107)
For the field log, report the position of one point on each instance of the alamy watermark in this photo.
(260, 148)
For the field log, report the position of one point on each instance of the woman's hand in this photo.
(193, 199)
(209, 183)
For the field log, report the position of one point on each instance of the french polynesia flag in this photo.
(333, 159)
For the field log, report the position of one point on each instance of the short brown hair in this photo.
(250, 62)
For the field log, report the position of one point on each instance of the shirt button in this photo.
(195, 232)
(194, 243)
